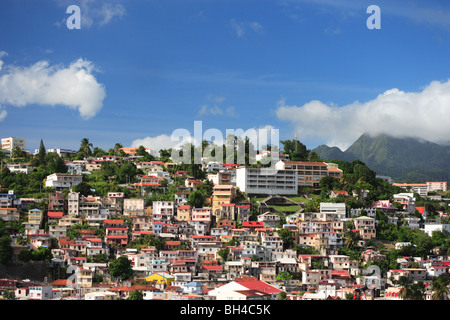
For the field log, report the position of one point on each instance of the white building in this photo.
(407, 200)
(8, 144)
(62, 180)
(41, 293)
(266, 181)
(429, 228)
(163, 210)
(334, 211)
(369, 212)
(21, 167)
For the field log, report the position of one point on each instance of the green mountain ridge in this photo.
(404, 159)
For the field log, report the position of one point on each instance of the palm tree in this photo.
(2, 156)
(351, 239)
(415, 291)
(405, 292)
(440, 287)
(117, 148)
(86, 147)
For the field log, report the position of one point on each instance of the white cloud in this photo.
(214, 109)
(421, 114)
(3, 114)
(74, 86)
(109, 11)
(241, 28)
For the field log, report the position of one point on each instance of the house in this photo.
(244, 284)
(161, 277)
(133, 207)
(61, 181)
(365, 226)
(183, 213)
(337, 193)
(222, 194)
(392, 293)
(192, 288)
(150, 181)
(163, 211)
(40, 293)
(35, 216)
(9, 214)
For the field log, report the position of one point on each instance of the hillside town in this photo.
(126, 224)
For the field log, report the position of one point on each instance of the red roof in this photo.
(212, 268)
(253, 224)
(258, 285)
(420, 209)
(55, 214)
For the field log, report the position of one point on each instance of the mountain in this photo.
(403, 159)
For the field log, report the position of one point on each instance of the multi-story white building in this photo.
(8, 144)
(61, 180)
(407, 200)
(163, 211)
(266, 181)
(333, 211)
(420, 188)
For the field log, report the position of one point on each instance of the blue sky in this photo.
(138, 70)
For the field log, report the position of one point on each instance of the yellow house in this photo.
(35, 216)
(161, 277)
(222, 194)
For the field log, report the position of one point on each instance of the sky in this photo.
(137, 71)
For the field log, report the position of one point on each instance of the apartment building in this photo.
(309, 174)
(436, 186)
(266, 181)
(73, 204)
(332, 211)
(133, 207)
(57, 201)
(8, 144)
(420, 188)
(163, 211)
(61, 181)
(222, 194)
(366, 227)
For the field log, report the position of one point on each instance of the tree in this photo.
(86, 147)
(42, 153)
(286, 235)
(121, 267)
(9, 295)
(135, 295)
(196, 199)
(117, 147)
(6, 250)
(284, 275)
(42, 254)
(282, 296)
(223, 253)
(83, 188)
(296, 150)
(440, 287)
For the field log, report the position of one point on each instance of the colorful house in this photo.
(160, 277)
